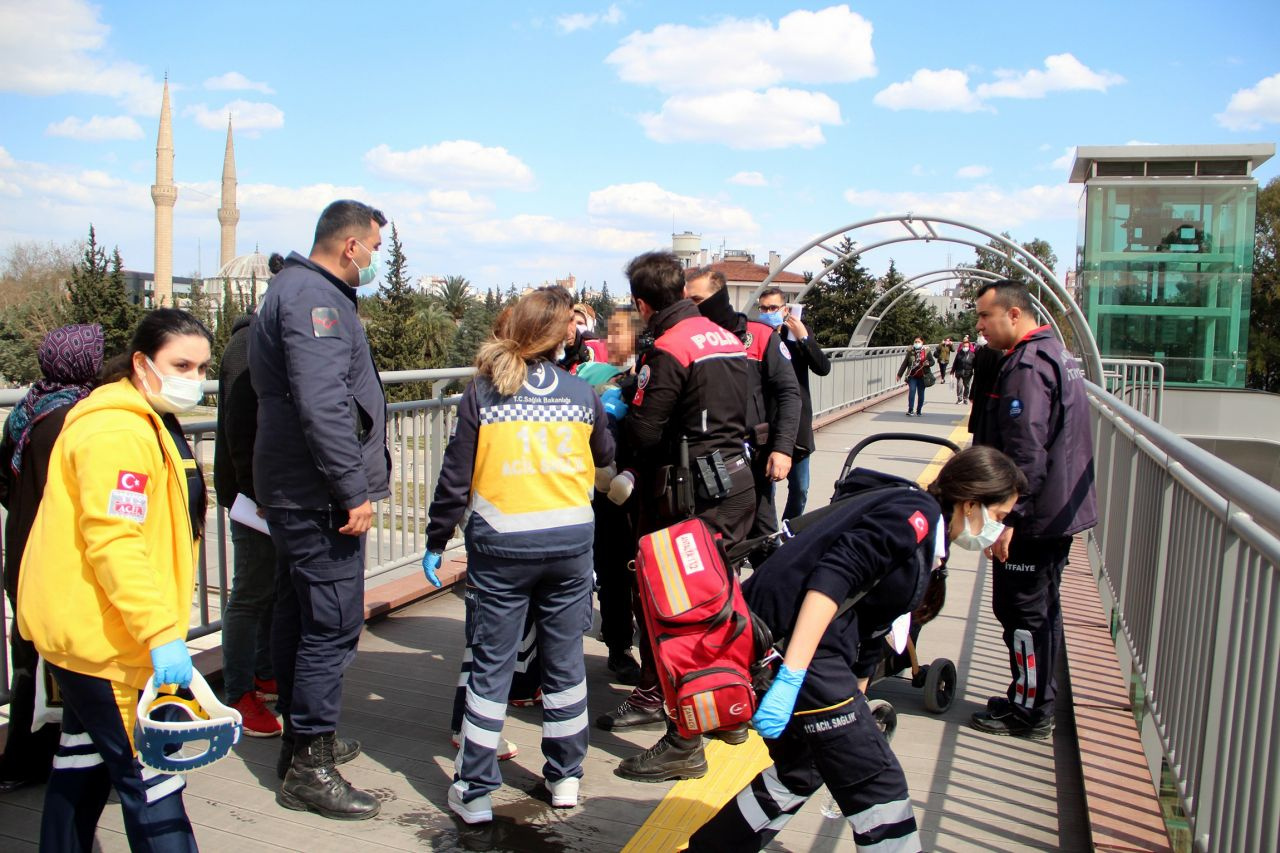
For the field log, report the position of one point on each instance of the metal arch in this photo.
(924, 228)
(870, 319)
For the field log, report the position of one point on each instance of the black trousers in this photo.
(96, 755)
(765, 522)
(833, 743)
(1026, 600)
(613, 549)
(319, 613)
(28, 755)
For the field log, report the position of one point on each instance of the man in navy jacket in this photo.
(1038, 414)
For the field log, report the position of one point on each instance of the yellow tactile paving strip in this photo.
(691, 802)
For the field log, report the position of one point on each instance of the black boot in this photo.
(344, 749)
(313, 783)
(673, 757)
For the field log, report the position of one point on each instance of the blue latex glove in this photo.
(431, 562)
(172, 663)
(775, 708)
(613, 403)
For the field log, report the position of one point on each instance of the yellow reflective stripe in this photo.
(823, 710)
(669, 569)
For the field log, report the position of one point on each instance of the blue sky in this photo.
(520, 142)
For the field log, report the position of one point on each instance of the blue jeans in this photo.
(797, 488)
(915, 394)
(246, 624)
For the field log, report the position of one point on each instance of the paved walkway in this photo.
(971, 792)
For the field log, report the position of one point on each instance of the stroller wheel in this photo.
(885, 716)
(939, 686)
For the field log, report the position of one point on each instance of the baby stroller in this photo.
(937, 679)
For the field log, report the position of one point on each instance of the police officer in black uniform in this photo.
(320, 462)
(691, 387)
(1038, 414)
(875, 553)
(773, 413)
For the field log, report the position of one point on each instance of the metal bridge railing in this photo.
(857, 374)
(1189, 568)
(1137, 382)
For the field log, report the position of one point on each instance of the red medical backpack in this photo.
(699, 626)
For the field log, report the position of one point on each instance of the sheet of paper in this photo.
(245, 511)
(796, 310)
(898, 633)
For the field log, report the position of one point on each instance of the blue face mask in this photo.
(773, 319)
(369, 273)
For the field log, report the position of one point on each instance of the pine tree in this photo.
(396, 332)
(96, 294)
(909, 318)
(834, 306)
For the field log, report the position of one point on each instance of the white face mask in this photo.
(981, 541)
(177, 393)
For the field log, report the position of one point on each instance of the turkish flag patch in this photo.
(131, 481)
(919, 524)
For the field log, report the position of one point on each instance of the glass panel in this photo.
(1126, 169)
(1157, 168)
(1230, 168)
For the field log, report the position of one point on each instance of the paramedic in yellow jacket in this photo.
(105, 588)
(519, 475)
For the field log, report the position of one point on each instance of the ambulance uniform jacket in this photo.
(519, 472)
(693, 382)
(775, 394)
(1038, 414)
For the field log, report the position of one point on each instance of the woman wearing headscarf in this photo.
(105, 591)
(70, 358)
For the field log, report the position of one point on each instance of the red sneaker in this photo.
(266, 688)
(528, 703)
(257, 717)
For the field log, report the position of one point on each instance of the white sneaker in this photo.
(564, 792)
(506, 750)
(479, 810)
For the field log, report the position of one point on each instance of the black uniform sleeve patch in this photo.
(324, 322)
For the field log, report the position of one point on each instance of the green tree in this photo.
(834, 306)
(96, 294)
(476, 327)
(604, 307)
(230, 309)
(1264, 309)
(395, 332)
(454, 295)
(909, 317)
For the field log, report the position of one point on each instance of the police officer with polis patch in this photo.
(773, 411)
(319, 463)
(691, 387)
(1038, 414)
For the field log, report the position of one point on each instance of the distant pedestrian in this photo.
(1039, 415)
(917, 366)
(944, 356)
(519, 473)
(70, 358)
(962, 370)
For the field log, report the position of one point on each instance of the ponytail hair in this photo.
(530, 330)
(977, 473)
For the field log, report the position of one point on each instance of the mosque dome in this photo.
(245, 268)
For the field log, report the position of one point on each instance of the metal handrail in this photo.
(1187, 556)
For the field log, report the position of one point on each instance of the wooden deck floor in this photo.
(971, 792)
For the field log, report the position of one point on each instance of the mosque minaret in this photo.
(228, 214)
(164, 194)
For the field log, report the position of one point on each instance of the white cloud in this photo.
(775, 118)
(456, 163)
(829, 46)
(937, 91)
(647, 205)
(56, 46)
(1067, 159)
(994, 208)
(248, 117)
(96, 129)
(973, 171)
(1062, 72)
(749, 179)
(533, 229)
(587, 20)
(919, 171)
(1250, 109)
(235, 81)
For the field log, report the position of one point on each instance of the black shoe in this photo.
(624, 666)
(8, 786)
(673, 757)
(313, 783)
(733, 735)
(1006, 722)
(344, 749)
(627, 715)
